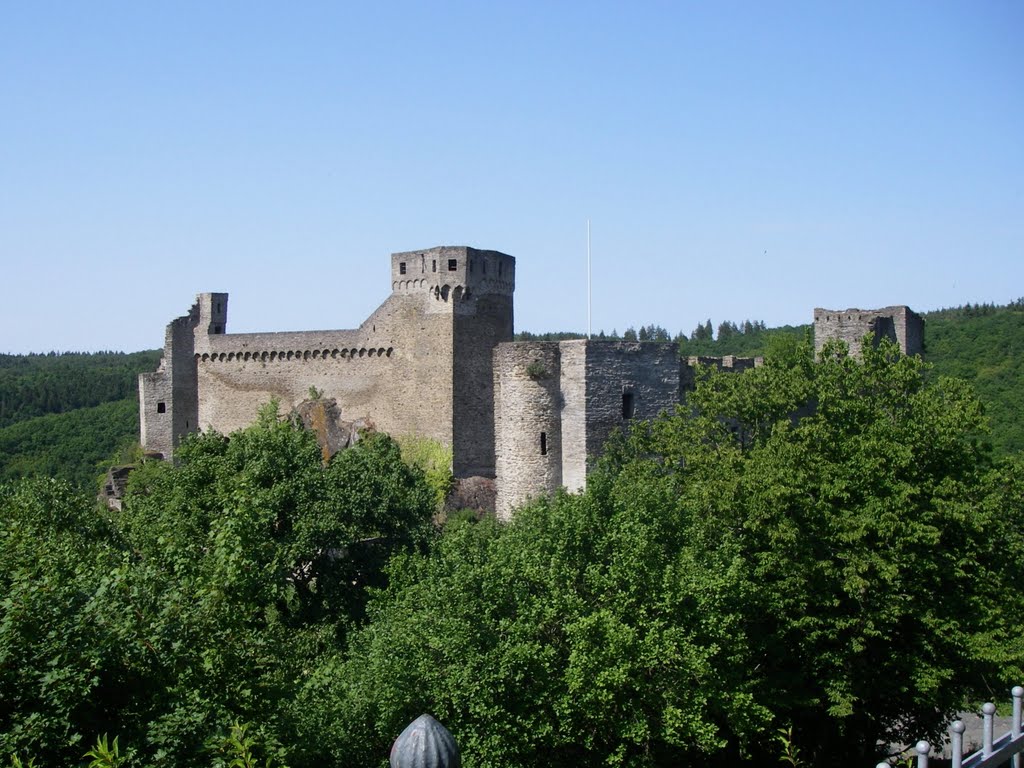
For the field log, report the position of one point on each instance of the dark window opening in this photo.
(218, 307)
(453, 264)
(500, 265)
(161, 407)
(627, 405)
(484, 267)
(543, 443)
(435, 265)
(401, 268)
(217, 329)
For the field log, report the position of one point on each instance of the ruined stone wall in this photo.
(167, 397)
(899, 323)
(574, 413)
(528, 450)
(909, 329)
(730, 363)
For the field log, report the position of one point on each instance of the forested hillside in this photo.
(76, 446)
(35, 385)
(66, 415)
(984, 344)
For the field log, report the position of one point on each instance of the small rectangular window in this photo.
(435, 265)
(543, 443)
(161, 407)
(627, 405)
(218, 329)
(401, 268)
(218, 307)
(500, 265)
(484, 266)
(453, 264)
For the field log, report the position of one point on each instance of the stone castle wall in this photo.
(406, 368)
(394, 369)
(528, 422)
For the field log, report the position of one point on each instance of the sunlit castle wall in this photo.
(528, 422)
(398, 368)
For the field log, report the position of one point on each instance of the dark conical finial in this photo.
(425, 743)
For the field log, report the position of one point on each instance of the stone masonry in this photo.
(437, 360)
(557, 403)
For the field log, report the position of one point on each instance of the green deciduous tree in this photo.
(821, 544)
(204, 602)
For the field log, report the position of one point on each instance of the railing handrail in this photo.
(993, 751)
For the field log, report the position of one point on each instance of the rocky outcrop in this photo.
(323, 417)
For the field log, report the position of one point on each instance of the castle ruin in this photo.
(900, 324)
(437, 360)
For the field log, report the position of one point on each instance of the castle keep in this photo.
(437, 360)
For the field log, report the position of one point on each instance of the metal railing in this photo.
(993, 751)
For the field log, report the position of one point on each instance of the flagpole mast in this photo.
(588, 278)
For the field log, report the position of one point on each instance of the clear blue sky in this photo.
(737, 160)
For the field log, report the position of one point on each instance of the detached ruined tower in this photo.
(420, 364)
(899, 323)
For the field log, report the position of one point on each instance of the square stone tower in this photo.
(899, 323)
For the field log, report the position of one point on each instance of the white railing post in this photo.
(1018, 701)
(922, 748)
(956, 743)
(988, 711)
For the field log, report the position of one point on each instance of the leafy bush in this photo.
(435, 461)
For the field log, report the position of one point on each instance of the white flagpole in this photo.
(588, 278)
